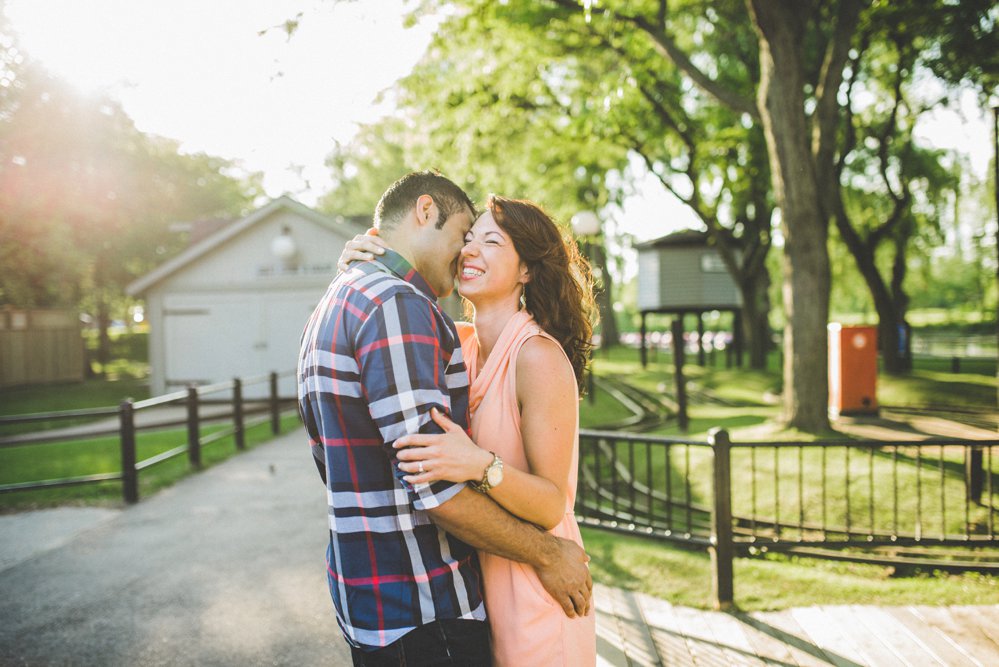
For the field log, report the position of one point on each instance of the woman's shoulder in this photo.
(465, 330)
(544, 375)
(542, 357)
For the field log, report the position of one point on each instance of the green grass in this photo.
(683, 577)
(933, 386)
(94, 393)
(599, 409)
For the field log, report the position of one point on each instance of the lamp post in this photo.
(586, 225)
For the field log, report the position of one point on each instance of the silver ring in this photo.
(421, 468)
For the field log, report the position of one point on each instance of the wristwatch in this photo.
(491, 476)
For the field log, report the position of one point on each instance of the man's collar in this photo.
(401, 267)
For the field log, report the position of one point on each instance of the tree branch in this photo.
(900, 200)
(667, 48)
(825, 117)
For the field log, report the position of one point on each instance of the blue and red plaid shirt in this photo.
(377, 355)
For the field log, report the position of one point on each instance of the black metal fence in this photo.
(835, 498)
(242, 415)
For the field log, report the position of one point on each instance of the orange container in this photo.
(853, 370)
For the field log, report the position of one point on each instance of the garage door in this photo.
(210, 338)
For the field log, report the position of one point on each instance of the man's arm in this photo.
(560, 564)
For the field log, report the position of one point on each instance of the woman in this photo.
(532, 299)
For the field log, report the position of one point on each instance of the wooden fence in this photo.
(243, 415)
(39, 347)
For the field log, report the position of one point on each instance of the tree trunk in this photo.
(900, 303)
(780, 25)
(609, 336)
(756, 318)
(890, 302)
(103, 334)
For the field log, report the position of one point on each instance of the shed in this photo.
(681, 273)
(40, 346)
(235, 302)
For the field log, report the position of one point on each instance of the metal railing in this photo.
(244, 414)
(803, 497)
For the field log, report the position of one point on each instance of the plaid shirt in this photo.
(377, 355)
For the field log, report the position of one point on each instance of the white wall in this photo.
(237, 311)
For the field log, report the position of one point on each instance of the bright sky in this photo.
(197, 71)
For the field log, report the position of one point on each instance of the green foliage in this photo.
(956, 41)
(88, 199)
(377, 156)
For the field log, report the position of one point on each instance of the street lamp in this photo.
(586, 225)
(284, 248)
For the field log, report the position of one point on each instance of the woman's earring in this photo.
(523, 297)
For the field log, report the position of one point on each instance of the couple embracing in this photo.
(449, 451)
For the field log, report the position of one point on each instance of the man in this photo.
(377, 355)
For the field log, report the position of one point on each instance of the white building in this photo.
(234, 304)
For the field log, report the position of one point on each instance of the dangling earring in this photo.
(523, 297)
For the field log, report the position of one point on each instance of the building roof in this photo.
(684, 237)
(346, 226)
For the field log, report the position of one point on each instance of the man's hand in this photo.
(567, 579)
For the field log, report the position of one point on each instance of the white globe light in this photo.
(283, 247)
(585, 223)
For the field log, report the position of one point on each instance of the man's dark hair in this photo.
(401, 197)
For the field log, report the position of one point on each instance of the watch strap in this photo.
(483, 486)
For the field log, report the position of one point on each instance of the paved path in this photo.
(225, 568)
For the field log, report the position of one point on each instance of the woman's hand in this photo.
(361, 248)
(450, 455)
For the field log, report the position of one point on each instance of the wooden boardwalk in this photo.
(638, 630)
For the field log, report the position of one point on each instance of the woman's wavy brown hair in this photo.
(560, 292)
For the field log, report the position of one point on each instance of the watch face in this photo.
(494, 476)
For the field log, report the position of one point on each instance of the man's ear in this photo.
(426, 210)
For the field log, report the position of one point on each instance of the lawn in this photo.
(683, 577)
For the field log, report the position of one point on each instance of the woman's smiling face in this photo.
(489, 267)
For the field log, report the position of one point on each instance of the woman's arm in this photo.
(546, 392)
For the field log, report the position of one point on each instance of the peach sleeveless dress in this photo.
(528, 626)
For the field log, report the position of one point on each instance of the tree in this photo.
(777, 66)
(873, 207)
(804, 50)
(496, 88)
(691, 46)
(801, 148)
(87, 198)
(890, 189)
